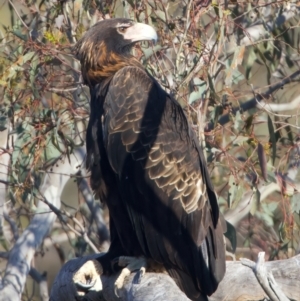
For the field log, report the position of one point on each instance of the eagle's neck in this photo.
(104, 64)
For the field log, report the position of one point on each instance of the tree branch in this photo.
(238, 283)
(253, 102)
(94, 208)
(18, 265)
(265, 278)
(41, 279)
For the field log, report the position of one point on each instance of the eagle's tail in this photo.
(208, 270)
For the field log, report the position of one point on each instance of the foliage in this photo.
(234, 69)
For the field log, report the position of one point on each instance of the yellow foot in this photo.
(130, 264)
(87, 278)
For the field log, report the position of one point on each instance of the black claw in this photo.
(117, 292)
(139, 276)
(84, 287)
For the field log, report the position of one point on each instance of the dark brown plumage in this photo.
(146, 164)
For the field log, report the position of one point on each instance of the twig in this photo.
(59, 213)
(5, 182)
(188, 11)
(274, 107)
(265, 278)
(93, 207)
(41, 279)
(10, 2)
(62, 89)
(4, 254)
(12, 223)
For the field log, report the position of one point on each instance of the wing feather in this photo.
(170, 198)
(172, 150)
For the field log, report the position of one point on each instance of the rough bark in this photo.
(239, 284)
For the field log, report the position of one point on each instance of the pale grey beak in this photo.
(140, 32)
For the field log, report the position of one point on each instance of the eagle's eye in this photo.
(121, 29)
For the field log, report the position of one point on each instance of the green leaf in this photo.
(233, 75)
(238, 122)
(262, 160)
(289, 133)
(18, 33)
(3, 123)
(231, 235)
(255, 202)
(232, 190)
(28, 56)
(32, 76)
(212, 89)
(248, 123)
(217, 113)
(272, 138)
(148, 52)
(249, 63)
(22, 157)
(160, 15)
(295, 203)
(200, 87)
(51, 150)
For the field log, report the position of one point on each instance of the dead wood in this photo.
(239, 284)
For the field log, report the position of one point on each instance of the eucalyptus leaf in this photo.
(18, 33)
(28, 56)
(148, 52)
(295, 203)
(262, 160)
(3, 123)
(255, 201)
(231, 235)
(272, 138)
(160, 14)
(249, 62)
(238, 122)
(233, 75)
(232, 190)
(198, 90)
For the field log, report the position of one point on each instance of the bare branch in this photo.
(187, 25)
(252, 103)
(59, 213)
(265, 278)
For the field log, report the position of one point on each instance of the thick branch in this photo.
(18, 265)
(252, 103)
(239, 283)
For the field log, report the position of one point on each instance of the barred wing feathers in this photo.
(163, 179)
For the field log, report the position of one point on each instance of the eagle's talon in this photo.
(130, 264)
(141, 274)
(87, 278)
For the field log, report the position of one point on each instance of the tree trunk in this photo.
(239, 284)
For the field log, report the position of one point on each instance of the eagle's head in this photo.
(105, 47)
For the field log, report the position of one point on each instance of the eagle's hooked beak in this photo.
(140, 32)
